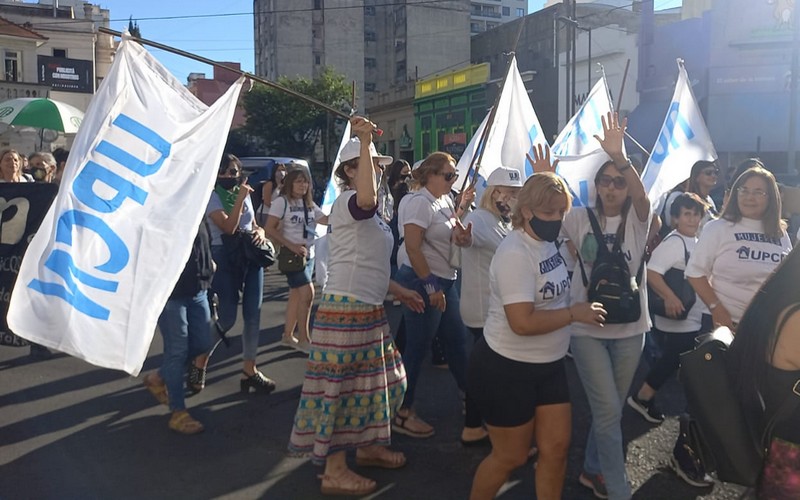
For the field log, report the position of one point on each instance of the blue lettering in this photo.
(126, 159)
(92, 172)
(667, 139)
(119, 255)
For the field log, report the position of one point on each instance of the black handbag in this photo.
(262, 255)
(676, 281)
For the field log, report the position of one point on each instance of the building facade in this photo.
(488, 14)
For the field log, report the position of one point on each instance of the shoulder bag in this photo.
(288, 261)
(676, 281)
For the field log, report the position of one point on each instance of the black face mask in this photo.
(502, 208)
(227, 183)
(547, 230)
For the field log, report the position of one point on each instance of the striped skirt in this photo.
(354, 381)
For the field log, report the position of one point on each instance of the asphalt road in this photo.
(71, 430)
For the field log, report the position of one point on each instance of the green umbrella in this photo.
(41, 113)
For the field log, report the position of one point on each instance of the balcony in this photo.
(13, 90)
(486, 13)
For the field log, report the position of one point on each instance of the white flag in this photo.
(514, 132)
(331, 193)
(97, 274)
(683, 140)
(577, 137)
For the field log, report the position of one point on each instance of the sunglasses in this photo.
(233, 171)
(607, 180)
(449, 176)
(711, 171)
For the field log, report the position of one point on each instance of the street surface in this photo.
(69, 430)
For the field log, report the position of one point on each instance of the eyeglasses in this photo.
(232, 171)
(758, 193)
(606, 180)
(711, 171)
(449, 176)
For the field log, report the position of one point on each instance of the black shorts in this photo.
(507, 392)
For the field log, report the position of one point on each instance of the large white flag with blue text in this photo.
(579, 153)
(109, 252)
(514, 132)
(683, 140)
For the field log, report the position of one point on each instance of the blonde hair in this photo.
(432, 165)
(537, 192)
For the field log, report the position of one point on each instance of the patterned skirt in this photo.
(354, 381)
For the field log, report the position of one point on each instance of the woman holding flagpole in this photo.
(355, 378)
(606, 355)
(230, 210)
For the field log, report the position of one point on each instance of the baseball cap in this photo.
(505, 176)
(352, 150)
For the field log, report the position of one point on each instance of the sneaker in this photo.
(647, 409)
(687, 466)
(594, 482)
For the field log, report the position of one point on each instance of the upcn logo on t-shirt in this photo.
(746, 252)
(551, 290)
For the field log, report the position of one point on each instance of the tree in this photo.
(289, 126)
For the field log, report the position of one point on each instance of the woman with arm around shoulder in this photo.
(291, 223)
(230, 210)
(607, 356)
(738, 251)
(524, 344)
(350, 327)
(766, 353)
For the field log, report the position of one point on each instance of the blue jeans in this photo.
(185, 324)
(606, 368)
(421, 328)
(228, 282)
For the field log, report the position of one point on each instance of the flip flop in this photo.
(183, 423)
(159, 391)
(382, 463)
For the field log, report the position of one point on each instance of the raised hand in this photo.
(362, 128)
(613, 136)
(540, 162)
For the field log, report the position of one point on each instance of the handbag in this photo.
(290, 262)
(676, 281)
(262, 255)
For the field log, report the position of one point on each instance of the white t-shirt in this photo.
(526, 270)
(668, 254)
(488, 230)
(736, 257)
(215, 204)
(577, 228)
(359, 252)
(293, 222)
(437, 217)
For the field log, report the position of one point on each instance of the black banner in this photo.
(23, 206)
(66, 75)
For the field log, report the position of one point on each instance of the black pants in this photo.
(672, 346)
(472, 416)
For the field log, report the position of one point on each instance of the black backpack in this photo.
(610, 282)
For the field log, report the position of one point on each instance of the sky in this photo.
(216, 29)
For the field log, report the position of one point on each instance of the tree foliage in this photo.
(288, 125)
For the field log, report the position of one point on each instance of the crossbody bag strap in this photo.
(598, 235)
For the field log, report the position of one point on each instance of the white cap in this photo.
(352, 150)
(505, 176)
(416, 164)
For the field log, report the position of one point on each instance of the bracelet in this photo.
(431, 284)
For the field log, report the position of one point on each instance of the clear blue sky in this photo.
(225, 34)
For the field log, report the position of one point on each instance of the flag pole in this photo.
(173, 50)
(481, 146)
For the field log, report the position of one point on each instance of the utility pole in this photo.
(795, 69)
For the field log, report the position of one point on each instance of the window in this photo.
(520, 12)
(317, 59)
(369, 87)
(507, 11)
(11, 66)
(317, 4)
(59, 52)
(369, 11)
(370, 62)
(369, 36)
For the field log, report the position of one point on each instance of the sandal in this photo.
(195, 378)
(158, 390)
(258, 381)
(386, 459)
(348, 483)
(419, 428)
(183, 423)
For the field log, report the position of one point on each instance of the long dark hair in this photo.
(598, 202)
(757, 333)
(697, 171)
